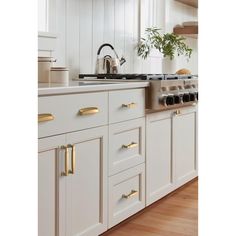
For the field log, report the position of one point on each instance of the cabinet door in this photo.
(47, 164)
(158, 156)
(184, 146)
(83, 195)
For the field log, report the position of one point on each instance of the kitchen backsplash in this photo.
(83, 25)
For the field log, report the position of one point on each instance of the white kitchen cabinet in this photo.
(184, 146)
(47, 184)
(75, 204)
(126, 194)
(72, 112)
(171, 151)
(159, 179)
(83, 195)
(73, 161)
(126, 145)
(126, 105)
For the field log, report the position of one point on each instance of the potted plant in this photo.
(169, 44)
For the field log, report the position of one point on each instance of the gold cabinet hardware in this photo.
(177, 112)
(45, 117)
(131, 145)
(66, 173)
(72, 170)
(88, 111)
(131, 194)
(130, 105)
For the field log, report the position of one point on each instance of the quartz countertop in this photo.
(83, 86)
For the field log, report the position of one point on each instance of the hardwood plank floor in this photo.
(173, 215)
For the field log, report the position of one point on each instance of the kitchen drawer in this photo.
(126, 194)
(67, 113)
(127, 145)
(126, 105)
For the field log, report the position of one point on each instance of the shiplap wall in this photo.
(83, 25)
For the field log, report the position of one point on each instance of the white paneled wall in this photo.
(83, 25)
(177, 13)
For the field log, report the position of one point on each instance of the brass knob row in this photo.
(67, 170)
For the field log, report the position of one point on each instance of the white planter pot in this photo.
(169, 66)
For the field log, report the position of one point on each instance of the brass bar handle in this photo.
(131, 194)
(130, 105)
(177, 112)
(66, 172)
(131, 145)
(88, 111)
(72, 170)
(45, 117)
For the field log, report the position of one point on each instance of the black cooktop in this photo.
(136, 76)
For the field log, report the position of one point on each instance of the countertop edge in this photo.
(90, 88)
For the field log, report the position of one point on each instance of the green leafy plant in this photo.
(168, 44)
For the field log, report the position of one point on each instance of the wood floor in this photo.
(174, 215)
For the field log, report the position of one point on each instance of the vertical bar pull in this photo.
(72, 170)
(66, 172)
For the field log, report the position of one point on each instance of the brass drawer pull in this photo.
(131, 145)
(72, 170)
(177, 112)
(45, 117)
(88, 111)
(130, 105)
(66, 173)
(131, 194)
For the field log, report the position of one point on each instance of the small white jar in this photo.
(44, 66)
(59, 75)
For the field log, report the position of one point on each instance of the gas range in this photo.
(166, 91)
(136, 76)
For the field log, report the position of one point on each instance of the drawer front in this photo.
(72, 112)
(126, 194)
(126, 105)
(127, 145)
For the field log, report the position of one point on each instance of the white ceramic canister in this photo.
(44, 66)
(59, 75)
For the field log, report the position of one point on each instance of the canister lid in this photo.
(45, 59)
(59, 69)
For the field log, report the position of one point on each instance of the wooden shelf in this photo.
(188, 31)
(192, 3)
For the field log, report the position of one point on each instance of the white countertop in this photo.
(45, 89)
